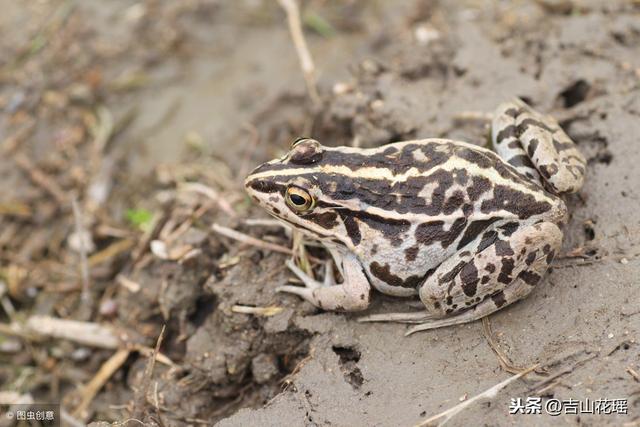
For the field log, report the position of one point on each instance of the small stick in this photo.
(542, 384)
(306, 62)
(210, 193)
(40, 178)
(505, 363)
(258, 311)
(107, 369)
(87, 333)
(488, 394)
(81, 232)
(141, 393)
(241, 237)
(633, 373)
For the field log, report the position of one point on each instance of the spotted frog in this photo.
(466, 229)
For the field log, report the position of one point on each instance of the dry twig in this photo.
(90, 390)
(87, 333)
(258, 311)
(243, 238)
(306, 62)
(487, 394)
(633, 373)
(141, 394)
(40, 178)
(82, 232)
(505, 363)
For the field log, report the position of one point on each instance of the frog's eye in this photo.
(298, 199)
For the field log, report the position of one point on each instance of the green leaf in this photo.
(318, 24)
(140, 218)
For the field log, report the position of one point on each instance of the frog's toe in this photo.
(329, 278)
(308, 281)
(303, 292)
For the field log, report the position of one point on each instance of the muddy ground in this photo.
(147, 115)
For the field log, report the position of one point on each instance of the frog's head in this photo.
(300, 188)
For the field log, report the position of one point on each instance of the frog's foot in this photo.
(408, 317)
(329, 279)
(352, 295)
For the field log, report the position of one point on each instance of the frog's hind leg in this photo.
(502, 273)
(544, 146)
(499, 267)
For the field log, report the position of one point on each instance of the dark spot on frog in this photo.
(479, 158)
(460, 176)
(411, 253)
(276, 211)
(499, 299)
(449, 276)
(384, 273)
(473, 231)
(485, 279)
(490, 268)
(469, 278)
(562, 146)
(533, 146)
(531, 257)
(550, 256)
(464, 254)
(503, 248)
(327, 220)
(548, 170)
(352, 228)
(521, 204)
(479, 185)
(530, 121)
(521, 160)
(509, 228)
(513, 112)
(507, 132)
(449, 300)
(453, 203)
(506, 270)
(529, 277)
(514, 144)
(374, 249)
(430, 232)
(392, 229)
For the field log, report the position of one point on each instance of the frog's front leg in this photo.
(352, 295)
(536, 145)
(499, 267)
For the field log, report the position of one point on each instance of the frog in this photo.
(466, 229)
